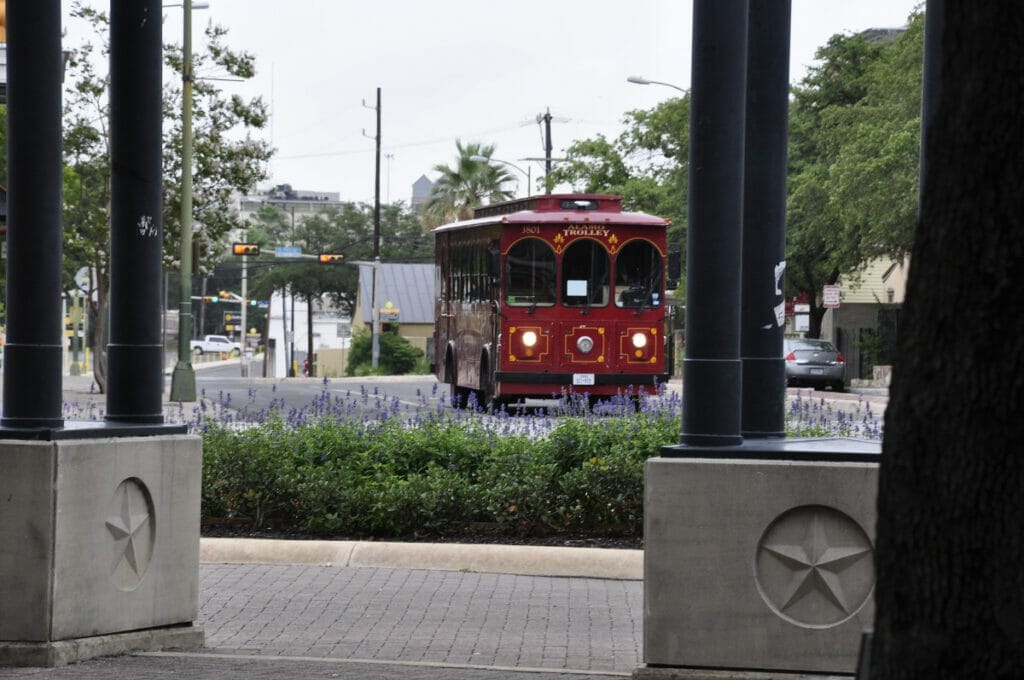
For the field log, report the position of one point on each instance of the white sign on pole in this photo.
(830, 297)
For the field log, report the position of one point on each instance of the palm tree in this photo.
(467, 184)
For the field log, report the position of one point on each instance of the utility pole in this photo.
(183, 379)
(291, 342)
(546, 117)
(375, 315)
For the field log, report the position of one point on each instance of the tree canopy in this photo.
(854, 140)
(226, 158)
(465, 185)
(347, 230)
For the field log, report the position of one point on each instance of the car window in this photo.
(812, 345)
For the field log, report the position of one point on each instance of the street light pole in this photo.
(487, 159)
(183, 380)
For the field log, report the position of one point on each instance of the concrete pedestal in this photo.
(759, 558)
(99, 547)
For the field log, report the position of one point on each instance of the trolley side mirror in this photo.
(675, 269)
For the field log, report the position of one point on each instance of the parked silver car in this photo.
(814, 362)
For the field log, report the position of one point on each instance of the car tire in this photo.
(838, 386)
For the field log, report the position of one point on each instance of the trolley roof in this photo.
(553, 208)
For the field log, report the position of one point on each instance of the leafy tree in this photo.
(347, 230)
(854, 144)
(224, 163)
(465, 185)
(397, 356)
(950, 589)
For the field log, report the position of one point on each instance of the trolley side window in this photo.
(585, 273)
(638, 275)
(530, 274)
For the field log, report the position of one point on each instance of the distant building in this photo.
(298, 203)
(881, 35)
(421, 189)
(289, 334)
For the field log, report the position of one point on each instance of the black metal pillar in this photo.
(35, 337)
(712, 371)
(135, 354)
(762, 315)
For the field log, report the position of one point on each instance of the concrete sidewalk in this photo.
(325, 609)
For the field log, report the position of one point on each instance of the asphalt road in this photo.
(224, 386)
(220, 386)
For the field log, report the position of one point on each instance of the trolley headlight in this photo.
(639, 340)
(529, 339)
(584, 344)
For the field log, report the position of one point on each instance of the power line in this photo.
(407, 145)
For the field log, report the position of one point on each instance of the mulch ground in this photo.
(477, 533)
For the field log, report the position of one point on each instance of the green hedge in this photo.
(390, 479)
(321, 470)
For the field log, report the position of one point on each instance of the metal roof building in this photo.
(408, 287)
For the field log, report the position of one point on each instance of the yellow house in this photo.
(406, 298)
(866, 324)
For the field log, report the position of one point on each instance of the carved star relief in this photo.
(129, 528)
(817, 566)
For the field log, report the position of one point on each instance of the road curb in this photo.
(528, 560)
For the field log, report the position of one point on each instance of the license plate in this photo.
(817, 371)
(582, 378)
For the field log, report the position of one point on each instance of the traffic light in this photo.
(245, 249)
(331, 258)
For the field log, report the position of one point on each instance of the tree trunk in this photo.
(950, 537)
(99, 339)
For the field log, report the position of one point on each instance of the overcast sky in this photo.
(474, 70)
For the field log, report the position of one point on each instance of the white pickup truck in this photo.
(215, 344)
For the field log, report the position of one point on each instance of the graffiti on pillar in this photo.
(147, 228)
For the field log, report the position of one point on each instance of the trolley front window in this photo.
(585, 273)
(530, 274)
(638, 275)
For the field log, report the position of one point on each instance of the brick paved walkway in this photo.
(328, 622)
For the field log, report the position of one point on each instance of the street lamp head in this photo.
(479, 159)
(640, 80)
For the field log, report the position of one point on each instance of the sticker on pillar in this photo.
(131, 526)
(815, 566)
(780, 309)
